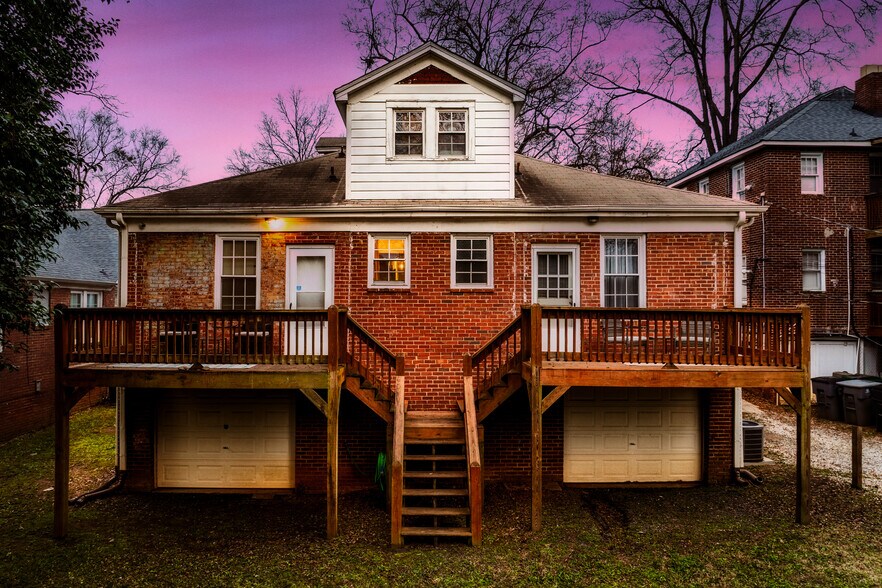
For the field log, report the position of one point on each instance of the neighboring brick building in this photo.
(818, 169)
(84, 274)
(434, 235)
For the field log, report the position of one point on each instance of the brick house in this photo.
(83, 275)
(818, 169)
(425, 292)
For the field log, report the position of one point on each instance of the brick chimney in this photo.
(868, 90)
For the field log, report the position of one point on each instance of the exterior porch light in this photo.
(275, 224)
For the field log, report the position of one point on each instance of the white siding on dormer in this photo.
(372, 174)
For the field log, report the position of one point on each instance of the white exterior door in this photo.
(632, 435)
(310, 287)
(556, 283)
(210, 440)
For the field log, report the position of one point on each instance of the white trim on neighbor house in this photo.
(576, 278)
(817, 270)
(218, 265)
(488, 239)
(818, 174)
(84, 296)
(372, 244)
(641, 266)
(702, 171)
(430, 110)
(704, 186)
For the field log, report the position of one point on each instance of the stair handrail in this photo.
(397, 484)
(366, 357)
(473, 451)
(497, 357)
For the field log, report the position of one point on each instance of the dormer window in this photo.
(452, 125)
(409, 130)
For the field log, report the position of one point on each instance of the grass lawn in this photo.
(727, 536)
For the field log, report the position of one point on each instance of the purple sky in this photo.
(203, 71)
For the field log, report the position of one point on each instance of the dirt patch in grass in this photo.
(724, 536)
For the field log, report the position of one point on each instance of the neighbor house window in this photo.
(876, 267)
(390, 261)
(738, 182)
(409, 129)
(813, 270)
(623, 272)
(452, 125)
(811, 170)
(704, 186)
(85, 299)
(238, 273)
(471, 261)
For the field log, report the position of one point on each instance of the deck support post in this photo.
(534, 390)
(335, 382)
(62, 461)
(803, 426)
(857, 457)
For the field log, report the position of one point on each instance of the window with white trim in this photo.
(738, 182)
(85, 299)
(452, 133)
(623, 272)
(813, 270)
(389, 261)
(811, 173)
(238, 269)
(409, 133)
(471, 261)
(704, 186)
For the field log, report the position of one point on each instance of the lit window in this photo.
(452, 133)
(622, 280)
(390, 265)
(85, 299)
(704, 186)
(238, 273)
(813, 270)
(738, 182)
(408, 132)
(811, 170)
(472, 264)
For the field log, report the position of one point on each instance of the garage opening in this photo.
(617, 435)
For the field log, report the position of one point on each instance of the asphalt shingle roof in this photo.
(89, 253)
(319, 184)
(828, 117)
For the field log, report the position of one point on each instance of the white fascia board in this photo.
(68, 283)
(742, 153)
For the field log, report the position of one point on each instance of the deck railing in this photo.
(370, 359)
(729, 337)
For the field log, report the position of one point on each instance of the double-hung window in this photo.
(471, 261)
(704, 186)
(811, 173)
(238, 272)
(623, 271)
(738, 182)
(813, 270)
(452, 126)
(85, 299)
(409, 132)
(389, 261)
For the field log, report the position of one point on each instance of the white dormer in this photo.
(429, 125)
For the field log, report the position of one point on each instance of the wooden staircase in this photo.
(437, 493)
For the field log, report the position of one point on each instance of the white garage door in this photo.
(205, 440)
(834, 355)
(632, 435)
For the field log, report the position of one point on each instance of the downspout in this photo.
(122, 296)
(738, 409)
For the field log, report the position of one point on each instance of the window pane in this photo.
(809, 184)
(76, 300)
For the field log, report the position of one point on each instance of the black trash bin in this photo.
(856, 404)
(753, 441)
(876, 398)
(829, 395)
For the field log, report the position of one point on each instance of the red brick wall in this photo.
(798, 221)
(430, 323)
(719, 427)
(22, 408)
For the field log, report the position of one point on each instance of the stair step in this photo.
(438, 511)
(435, 492)
(435, 457)
(437, 531)
(435, 475)
(436, 441)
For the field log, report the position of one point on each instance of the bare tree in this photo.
(540, 45)
(288, 134)
(732, 65)
(114, 164)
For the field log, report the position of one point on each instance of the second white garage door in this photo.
(211, 440)
(632, 435)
